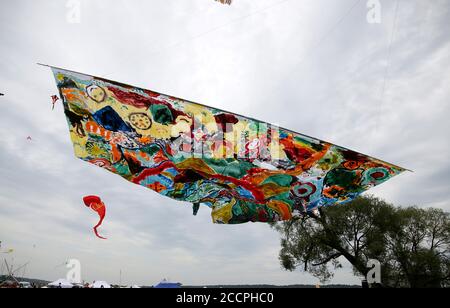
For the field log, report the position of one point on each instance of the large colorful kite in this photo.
(243, 169)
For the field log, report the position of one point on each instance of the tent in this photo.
(100, 285)
(168, 285)
(61, 283)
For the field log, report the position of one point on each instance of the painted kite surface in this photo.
(243, 169)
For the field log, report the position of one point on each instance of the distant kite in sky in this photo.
(225, 1)
(29, 138)
(55, 98)
(1, 94)
(245, 170)
(95, 203)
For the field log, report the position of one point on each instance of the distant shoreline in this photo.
(41, 282)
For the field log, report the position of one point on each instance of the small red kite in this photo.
(95, 203)
(55, 98)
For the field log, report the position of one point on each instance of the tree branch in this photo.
(332, 257)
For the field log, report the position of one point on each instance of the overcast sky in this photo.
(316, 67)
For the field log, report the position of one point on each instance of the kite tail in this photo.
(95, 229)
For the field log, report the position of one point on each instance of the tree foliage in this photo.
(412, 244)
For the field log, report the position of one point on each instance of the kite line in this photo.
(388, 64)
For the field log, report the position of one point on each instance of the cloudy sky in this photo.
(317, 67)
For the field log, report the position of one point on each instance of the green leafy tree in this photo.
(412, 244)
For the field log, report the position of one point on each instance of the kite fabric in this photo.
(95, 203)
(245, 170)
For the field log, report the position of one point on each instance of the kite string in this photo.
(388, 62)
(235, 20)
(216, 28)
(334, 27)
(295, 67)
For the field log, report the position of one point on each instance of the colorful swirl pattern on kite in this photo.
(243, 169)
